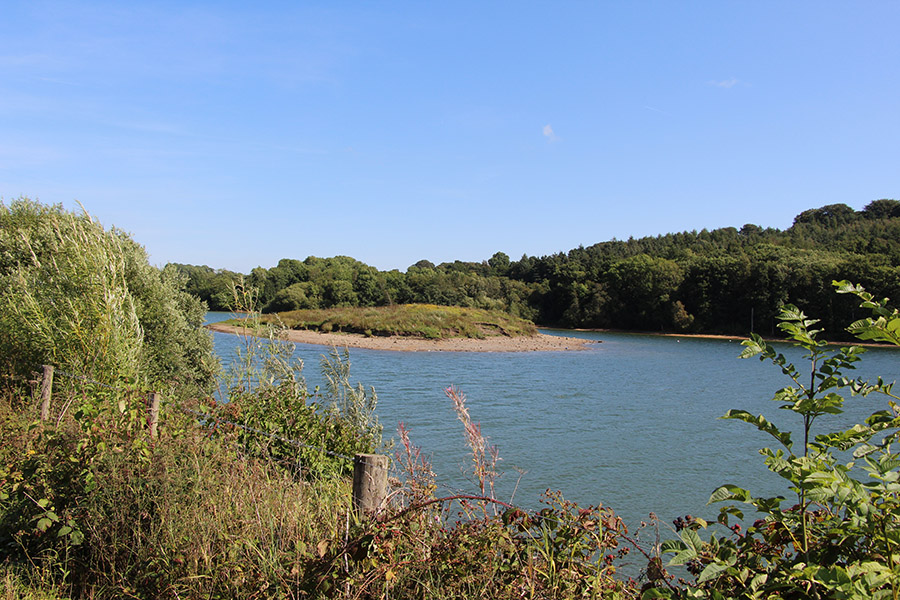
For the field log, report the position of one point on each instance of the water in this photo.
(631, 423)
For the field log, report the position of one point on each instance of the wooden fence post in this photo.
(154, 415)
(46, 392)
(369, 483)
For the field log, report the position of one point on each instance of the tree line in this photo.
(727, 280)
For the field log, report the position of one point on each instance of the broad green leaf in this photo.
(692, 540)
(711, 571)
(754, 346)
(725, 511)
(730, 492)
(683, 557)
(844, 440)
(762, 424)
(672, 546)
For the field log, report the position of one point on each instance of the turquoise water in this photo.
(631, 423)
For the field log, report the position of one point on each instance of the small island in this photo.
(410, 328)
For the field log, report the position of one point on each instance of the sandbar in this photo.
(536, 343)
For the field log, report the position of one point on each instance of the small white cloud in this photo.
(549, 134)
(725, 83)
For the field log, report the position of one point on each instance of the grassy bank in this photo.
(92, 507)
(409, 320)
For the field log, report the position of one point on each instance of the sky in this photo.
(234, 134)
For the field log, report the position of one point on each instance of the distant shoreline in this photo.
(736, 338)
(537, 343)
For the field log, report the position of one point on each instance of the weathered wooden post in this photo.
(46, 392)
(369, 483)
(154, 415)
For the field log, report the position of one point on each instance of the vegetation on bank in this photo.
(729, 281)
(250, 499)
(87, 301)
(427, 321)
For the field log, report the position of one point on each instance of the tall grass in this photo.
(206, 521)
(193, 516)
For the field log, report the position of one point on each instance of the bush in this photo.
(86, 300)
(267, 392)
(98, 512)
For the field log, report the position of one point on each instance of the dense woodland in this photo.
(727, 280)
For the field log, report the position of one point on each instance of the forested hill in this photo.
(727, 280)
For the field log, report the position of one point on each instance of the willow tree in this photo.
(86, 300)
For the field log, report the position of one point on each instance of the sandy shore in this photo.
(538, 343)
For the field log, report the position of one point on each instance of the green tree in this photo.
(87, 300)
(499, 263)
(643, 288)
(882, 209)
(294, 297)
(832, 214)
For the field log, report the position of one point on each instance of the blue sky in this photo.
(234, 134)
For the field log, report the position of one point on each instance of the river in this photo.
(631, 422)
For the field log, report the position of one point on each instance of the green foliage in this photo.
(832, 214)
(91, 506)
(882, 326)
(355, 406)
(563, 551)
(643, 288)
(840, 537)
(208, 510)
(92, 509)
(87, 301)
(48, 472)
(417, 320)
(212, 286)
(727, 280)
(307, 432)
(881, 209)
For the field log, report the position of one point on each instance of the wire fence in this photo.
(366, 467)
(370, 472)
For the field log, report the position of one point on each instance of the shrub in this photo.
(267, 392)
(86, 300)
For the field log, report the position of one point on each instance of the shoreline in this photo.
(538, 343)
(731, 338)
